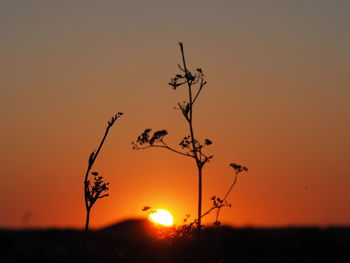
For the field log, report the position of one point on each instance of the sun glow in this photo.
(161, 216)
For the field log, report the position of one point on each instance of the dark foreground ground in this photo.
(135, 241)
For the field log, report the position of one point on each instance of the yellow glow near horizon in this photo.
(162, 216)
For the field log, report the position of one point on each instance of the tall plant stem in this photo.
(92, 159)
(88, 205)
(91, 198)
(87, 220)
(199, 215)
(190, 123)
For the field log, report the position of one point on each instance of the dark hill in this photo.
(131, 228)
(134, 241)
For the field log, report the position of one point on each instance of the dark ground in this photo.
(133, 241)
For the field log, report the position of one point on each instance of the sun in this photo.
(162, 216)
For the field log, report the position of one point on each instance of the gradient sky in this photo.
(277, 101)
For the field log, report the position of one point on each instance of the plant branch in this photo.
(162, 146)
(226, 195)
(176, 151)
(203, 83)
(93, 156)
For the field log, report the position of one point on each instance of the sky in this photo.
(277, 101)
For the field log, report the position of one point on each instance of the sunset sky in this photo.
(277, 101)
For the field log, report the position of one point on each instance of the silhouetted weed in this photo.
(95, 189)
(190, 145)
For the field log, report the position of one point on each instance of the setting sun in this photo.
(161, 216)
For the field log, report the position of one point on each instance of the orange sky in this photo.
(277, 101)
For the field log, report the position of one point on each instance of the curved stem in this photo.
(93, 157)
(163, 146)
(176, 151)
(199, 90)
(228, 192)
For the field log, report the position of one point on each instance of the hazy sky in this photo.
(277, 101)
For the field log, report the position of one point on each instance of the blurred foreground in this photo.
(140, 241)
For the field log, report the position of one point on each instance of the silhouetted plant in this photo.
(219, 203)
(96, 189)
(187, 229)
(191, 147)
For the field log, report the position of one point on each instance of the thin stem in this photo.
(228, 192)
(83, 243)
(189, 120)
(87, 219)
(183, 58)
(97, 152)
(208, 211)
(166, 147)
(195, 152)
(232, 185)
(92, 159)
(176, 151)
(199, 197)
(90, 200)
(199, 90)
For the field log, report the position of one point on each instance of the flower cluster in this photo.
(114, 118)
(149, 140)
(186, 76)
(238, 168)
(96, 189)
